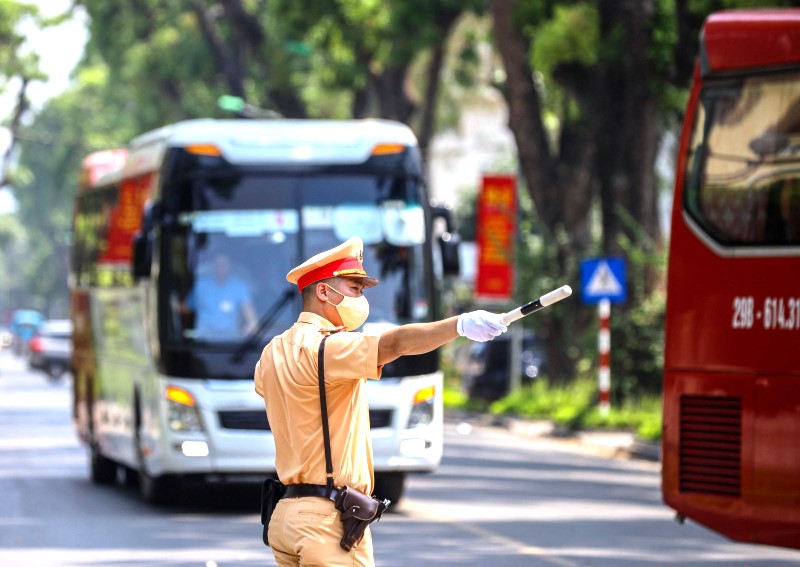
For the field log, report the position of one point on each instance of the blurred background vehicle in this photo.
(24, 325)
(486, 368)
(51, 347)
(6, 338)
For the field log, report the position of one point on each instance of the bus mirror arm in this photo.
(142, 253)
(448, 246)
(440, 211)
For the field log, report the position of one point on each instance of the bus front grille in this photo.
(711, 445)
(380, 418)
(257, 419)
(247, 419)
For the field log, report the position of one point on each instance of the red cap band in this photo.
(344, 267)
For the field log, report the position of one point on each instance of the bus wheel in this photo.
(158, 490)
(390, 485)
(103, 470)
(130, 477)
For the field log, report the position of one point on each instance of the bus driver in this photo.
(222, 303)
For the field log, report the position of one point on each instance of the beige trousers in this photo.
(305, 532)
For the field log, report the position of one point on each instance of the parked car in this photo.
(51, 348)
(486, 372)
(6, 338)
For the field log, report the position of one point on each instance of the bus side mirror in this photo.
(143, 243)
(448, 245)
(448, 240)
(142, 255)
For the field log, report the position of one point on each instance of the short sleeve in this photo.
(351, 356)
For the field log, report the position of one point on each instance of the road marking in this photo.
(519, 547)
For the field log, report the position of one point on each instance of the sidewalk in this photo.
(617, 444)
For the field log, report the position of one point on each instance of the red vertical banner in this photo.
(125, 218)
(496, 233)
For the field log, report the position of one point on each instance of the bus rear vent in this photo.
(711, 445)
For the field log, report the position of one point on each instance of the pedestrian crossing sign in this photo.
(603, 278)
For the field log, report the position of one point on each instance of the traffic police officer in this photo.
(305, 528)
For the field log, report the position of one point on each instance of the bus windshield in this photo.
(743, 167)
(237, 235)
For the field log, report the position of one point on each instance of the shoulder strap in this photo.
(323, 403)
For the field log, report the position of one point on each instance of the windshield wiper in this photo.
(264, 323)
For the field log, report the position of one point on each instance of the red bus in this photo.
(731, 438)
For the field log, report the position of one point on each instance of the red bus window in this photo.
(743, 168)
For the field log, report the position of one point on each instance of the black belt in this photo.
(301, 490)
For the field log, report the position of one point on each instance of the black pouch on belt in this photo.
(271, 492)
(357, 511)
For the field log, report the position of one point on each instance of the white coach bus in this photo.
(163, 379)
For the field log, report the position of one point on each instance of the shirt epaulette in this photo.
(332, 330)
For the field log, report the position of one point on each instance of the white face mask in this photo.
(353, 310)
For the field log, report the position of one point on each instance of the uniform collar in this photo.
(325, 327)
(314, 319)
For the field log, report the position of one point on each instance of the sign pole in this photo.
(603, 281)
(604, 349)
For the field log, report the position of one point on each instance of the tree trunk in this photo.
(14, 128)
(627, 108)
(559, 183)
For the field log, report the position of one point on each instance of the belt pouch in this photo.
(357, 511)
(271, 492)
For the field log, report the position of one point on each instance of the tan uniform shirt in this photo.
(286, 377)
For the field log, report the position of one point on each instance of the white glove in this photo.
(480, 326)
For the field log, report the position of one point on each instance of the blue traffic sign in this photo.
(603, 278)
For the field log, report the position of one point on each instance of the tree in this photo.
(51, 149)
(591, 85)
(15, 66)
(331, 58)
(558, 171)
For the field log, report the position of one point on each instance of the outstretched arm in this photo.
(415, 338)
(419, 338)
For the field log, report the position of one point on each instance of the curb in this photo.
(614, 443)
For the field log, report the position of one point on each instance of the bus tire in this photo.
(390, 485)
(158, 490)
(103, 470)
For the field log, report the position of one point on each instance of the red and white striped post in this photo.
(604, 348)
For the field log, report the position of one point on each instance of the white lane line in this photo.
(519, 547)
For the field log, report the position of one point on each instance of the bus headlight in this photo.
(182, 411)
(422, 407)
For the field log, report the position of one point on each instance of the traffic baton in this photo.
(547, 299)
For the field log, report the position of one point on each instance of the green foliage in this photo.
(571, 36)
(12, 245)
(565, 404)
(14, 61)
(454, 398)
(641, 415)
(574, 406)
(150, 62)
(664, 37)
(637, 331)
(70, 127)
